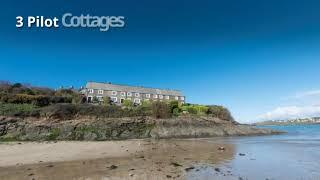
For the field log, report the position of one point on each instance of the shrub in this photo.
(160, 110)
(107, 101)
(192, 110)
(220, 112)
(128, 103)
(173, 105)
(17, 109)
(176, 111)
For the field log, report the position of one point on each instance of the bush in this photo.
(192, 110)
(128, 103)
(220, 112)
(160, 110)
(176, 111)
(17, 109)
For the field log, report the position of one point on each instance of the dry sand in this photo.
(131, 159)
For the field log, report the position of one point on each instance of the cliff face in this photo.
(88, 128)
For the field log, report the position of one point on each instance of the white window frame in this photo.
(137, 99)
(160, 96)
(123, 94)
(91, 91)
(137, 94)
(155, 96)
(116, 99)
(114, 93)
(129, 94)
(100, 91)
(176, 98)
(182, 98)
(147, 95)
(167, 97)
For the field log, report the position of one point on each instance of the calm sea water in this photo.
(295, 155)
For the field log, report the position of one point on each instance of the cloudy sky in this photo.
(260, 59)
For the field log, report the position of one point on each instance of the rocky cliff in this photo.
(90, 128)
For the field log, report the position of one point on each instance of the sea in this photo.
(290, 156)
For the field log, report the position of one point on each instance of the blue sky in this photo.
(260, 59)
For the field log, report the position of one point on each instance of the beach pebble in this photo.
(189, 168)
(113, 167)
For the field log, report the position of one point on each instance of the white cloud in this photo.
(290, 112)
(307, 94)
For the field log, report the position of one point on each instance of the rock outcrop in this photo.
(89, 128)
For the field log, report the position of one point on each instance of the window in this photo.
(100, 91)
(147, 95)
(137, 101)
(182, 98)
(114, 99)
(114, 93)
(155, 96)
(167, 97)
(90, 91)
(137, 94)
(161, 96)
(176, 98)
(89, 99)
(123, 93)
(129, 94)
(121, 100)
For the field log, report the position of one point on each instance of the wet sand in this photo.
(132, 159)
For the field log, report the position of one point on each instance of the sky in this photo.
(260, 59)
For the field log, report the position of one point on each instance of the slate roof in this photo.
(127, 88)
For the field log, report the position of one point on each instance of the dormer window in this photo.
(176, 98)
(123, 93)
(114, 93)
(137, 94)
(167, 97)
(182, 98)
(147, 95)
(155, 96)
(161, 96)
(90, 91)
(100, 91)
(129, 94)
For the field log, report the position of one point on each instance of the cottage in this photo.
(118, 93)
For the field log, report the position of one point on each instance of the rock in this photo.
(189, 168)
(221, 148)
(113, 167)
(242, 154)
(31, 174)
(131, 175)
(168, 176)
(175, 164)
(217, 169)
(50, 165)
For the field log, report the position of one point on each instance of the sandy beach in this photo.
(132, 159)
